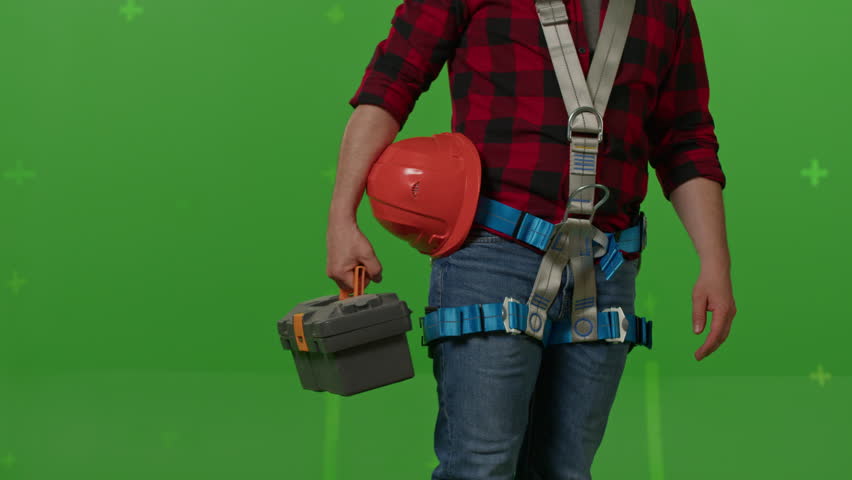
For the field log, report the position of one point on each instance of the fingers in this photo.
(730, 321)
(713, 340)
(343, 279)
(348, 248)
(343, 276)
(374, 268)
(719, 328)
(699, 312)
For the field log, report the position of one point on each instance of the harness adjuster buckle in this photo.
(552, 17)
(623, 325)
(510, 309)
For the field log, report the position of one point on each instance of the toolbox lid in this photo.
(329, 316)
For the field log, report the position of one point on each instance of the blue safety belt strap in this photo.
(488, 317)
(536, 232)
(513, 222)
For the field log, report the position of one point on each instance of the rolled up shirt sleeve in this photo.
(681, 128)
(423, 35)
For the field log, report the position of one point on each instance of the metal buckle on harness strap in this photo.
(585, 110)
(623, 325)
(510, 305)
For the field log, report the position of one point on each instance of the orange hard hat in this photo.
(425, 190)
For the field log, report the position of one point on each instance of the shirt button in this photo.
(582, 51)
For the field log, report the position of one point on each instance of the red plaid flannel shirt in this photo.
(506, 99)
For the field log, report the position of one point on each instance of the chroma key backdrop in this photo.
(166, 169)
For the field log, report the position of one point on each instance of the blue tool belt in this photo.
(511, 316)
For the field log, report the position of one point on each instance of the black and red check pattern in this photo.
(506, 99)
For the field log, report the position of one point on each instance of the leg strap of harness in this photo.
(613, 324)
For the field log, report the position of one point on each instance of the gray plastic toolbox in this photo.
(349, 346)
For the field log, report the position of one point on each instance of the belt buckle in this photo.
(623, 325)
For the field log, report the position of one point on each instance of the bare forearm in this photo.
(369, 131)
(698, 203)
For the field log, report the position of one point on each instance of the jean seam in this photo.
(440, 285)
(450, 440)
(442, 354)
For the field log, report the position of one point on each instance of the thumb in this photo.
(374, 268)
(699, 312)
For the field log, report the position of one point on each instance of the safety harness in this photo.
(574, 241)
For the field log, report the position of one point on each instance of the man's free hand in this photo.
(713, 292)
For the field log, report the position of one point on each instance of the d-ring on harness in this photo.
(572, 241)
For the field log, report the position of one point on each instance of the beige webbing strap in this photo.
(572, 240)
(585, 101)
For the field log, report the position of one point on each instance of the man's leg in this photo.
(575, 392)
(484, 381)
(569, 417)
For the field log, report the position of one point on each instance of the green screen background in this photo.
(165, 172)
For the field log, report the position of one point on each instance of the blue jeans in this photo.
(508, 408)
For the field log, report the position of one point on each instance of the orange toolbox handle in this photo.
(299, 321)
(360, 283)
